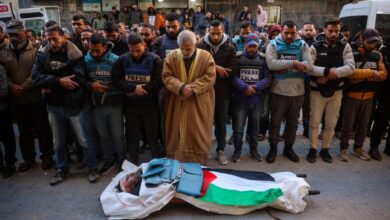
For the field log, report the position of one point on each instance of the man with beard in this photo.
(138, 74)
(147, 33)
(288, 57)
(308, 35)
(18, 58)
(59, 70)
(168, 42)
(78, 25)
(333, 61)
(238, 42)
(224, 54)
(189, 76)
(85, 37)
(112, 34)
(360, 92)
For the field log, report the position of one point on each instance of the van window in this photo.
(382, 25)
(35, 24)
(357, 23)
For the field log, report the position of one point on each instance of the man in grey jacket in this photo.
(333, 59)
(288, 57)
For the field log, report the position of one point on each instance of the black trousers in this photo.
(32, 120)
(7, 136)
(144, 113)
(381, 121)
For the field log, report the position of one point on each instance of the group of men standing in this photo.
(170, 90)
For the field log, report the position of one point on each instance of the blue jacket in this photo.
(101, 70)
(240, 86)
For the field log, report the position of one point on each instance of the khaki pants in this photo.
(318, 106)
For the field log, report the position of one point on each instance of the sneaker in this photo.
(374, 154)
(23, 167)
(107, 167)
(236, 156)
(47, 164)
(324, 153)
(221, 158)
(59, 177)
(255, 156)
(312, 155)
(359, 153)
(93, 176)
(231, 140)
(291, 155)
(343, 156)
(8, 171)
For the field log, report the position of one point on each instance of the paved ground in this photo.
(354, 190)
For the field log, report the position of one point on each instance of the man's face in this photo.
(308, 31)
(173, 28)
(31, 37)
(78, 26)
(208, 14)
(346, 35)
(112, 36)
(85, 36)
(289, 34)
(332, 33)
(251, 49)
(55, 40)
(137, 50)
(121, 29)
(17, 38)
(245, 31)
(198, 9)
(97, 50)
(274, 34)
(216, 34)
(146, 34)
(370, 45)
(245, 8)
(187, 49)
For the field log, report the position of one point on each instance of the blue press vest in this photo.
(101, 70)
(139, 73)
(286, 51)
(251, 70)
(166, 46)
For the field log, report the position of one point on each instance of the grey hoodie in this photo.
(215, 48)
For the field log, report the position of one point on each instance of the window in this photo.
(273, 14)
(357, 23)
(382, 25)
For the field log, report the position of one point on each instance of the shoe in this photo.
(312, 155)
(23, 167)
(231, 140)
(221, 158)
(343, 156)
(271, 156)
(359, 153)
(290, 154)
(261, 137)
(47, 164)
(306, 132)
(93, 176)
(324, 153)
(8, 171)
(236, 156)
(107, 167)
(59, 177)
(374, 153)
(255, 156)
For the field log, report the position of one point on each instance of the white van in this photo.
(368, 14)
(32, 18)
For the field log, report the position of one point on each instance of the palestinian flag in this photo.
(239, 188)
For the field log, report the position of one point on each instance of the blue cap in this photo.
(252, 39)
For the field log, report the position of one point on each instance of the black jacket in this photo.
(50, 67)
(225, 57)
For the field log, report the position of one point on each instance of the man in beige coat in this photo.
(189, 76)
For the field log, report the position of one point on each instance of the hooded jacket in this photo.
(224, 55)
(50, 67)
